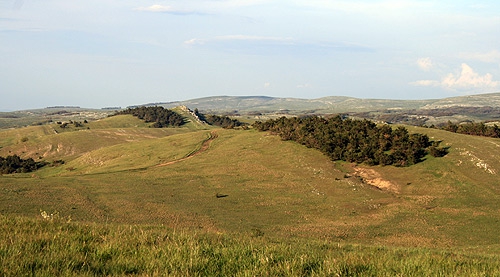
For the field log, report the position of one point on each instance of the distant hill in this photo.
(480, 107)
(265, 104)
(51, 114)
(331, 104)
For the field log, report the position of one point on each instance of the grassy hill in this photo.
(330, 104)
(247, 185)
(478, 107)
(50, 114)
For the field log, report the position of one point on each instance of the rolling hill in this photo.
(331, 104)
(247, 183)
(479, 107)
(126, 173)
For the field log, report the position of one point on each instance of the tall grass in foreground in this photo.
(53, 247)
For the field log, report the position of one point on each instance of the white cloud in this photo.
(195, 41)
(488, 57)
(170, 10)
(156, 8)
(425, 63)
(267, 84)
(426, 83)
(201, 7)
(466, 79)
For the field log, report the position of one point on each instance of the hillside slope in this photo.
(51, 142)
(252, 182)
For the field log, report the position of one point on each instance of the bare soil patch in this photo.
(373, 178)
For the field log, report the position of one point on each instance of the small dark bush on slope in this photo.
(14, 164)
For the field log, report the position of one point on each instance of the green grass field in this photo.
(125, 184)
(54, 247)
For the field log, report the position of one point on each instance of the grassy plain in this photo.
(138, 194)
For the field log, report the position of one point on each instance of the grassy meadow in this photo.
(197, 200)
(54, 247)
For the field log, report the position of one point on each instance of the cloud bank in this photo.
(465, 80)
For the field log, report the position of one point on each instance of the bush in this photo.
(14, 164)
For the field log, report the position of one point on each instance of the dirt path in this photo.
(206, 143)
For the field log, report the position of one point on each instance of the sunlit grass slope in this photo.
(51, 142)
(53, 247)
(271, 186)
(248, 182)
(138, 154)
(456, 197)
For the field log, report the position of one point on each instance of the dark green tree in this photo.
(160, 116)
(360, 141)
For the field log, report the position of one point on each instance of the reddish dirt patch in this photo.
(373, 178)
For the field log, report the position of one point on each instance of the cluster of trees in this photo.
(75, 123)
(449, 111)
(471, 128)
(14, 164)
(360, 141)
(420, 117)
(160, 116)
(221, 121)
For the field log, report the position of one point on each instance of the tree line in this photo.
(472, 128)
(360, 141)
(160, 116)
(221, 121)
(420, 117)
(15, 164)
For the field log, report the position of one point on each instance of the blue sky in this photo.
(103, 53)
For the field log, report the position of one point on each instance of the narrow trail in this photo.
(206, 143)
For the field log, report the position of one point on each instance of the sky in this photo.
(107, 53)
